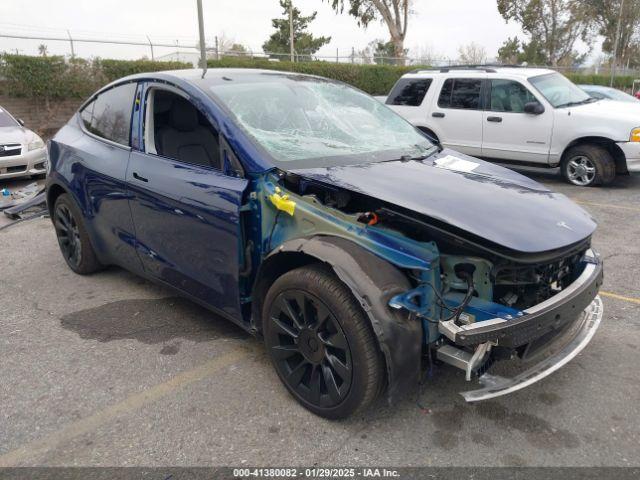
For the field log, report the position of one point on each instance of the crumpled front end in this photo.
(480, 336)
(464, 301)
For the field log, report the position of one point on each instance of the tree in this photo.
(605, 14)
(554, 25)
(383, 53)
(43, 50)
(513, 52)
(394, 13)
(509, 53)
(304, 43)
(472, 54)
(237, 50)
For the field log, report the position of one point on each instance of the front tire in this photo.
(588, 165)
(321, 344)
(73, 238)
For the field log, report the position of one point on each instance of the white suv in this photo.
(535, 117)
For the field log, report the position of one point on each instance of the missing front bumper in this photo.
(558, 356)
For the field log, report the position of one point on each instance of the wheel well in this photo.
(272, 268)
(53, 192)
(373, 281)
(611, 146)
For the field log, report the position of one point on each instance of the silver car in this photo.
(608, 93)
(22, 152)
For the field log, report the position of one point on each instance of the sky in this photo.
(438, 26)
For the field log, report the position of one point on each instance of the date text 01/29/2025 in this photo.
(315, 472)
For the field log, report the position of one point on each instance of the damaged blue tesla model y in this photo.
(313, 216)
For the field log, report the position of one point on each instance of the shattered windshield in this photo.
(302, 119)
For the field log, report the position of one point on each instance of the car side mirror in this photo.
(533, 108)
(20, 121)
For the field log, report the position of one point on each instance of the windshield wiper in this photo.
(408, 158)
(581, 102)
(427, 154)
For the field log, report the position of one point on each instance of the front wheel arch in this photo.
(372, 281)
(610, 145)
(53, 192)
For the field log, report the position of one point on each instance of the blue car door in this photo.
(98, 160)
(186, 211)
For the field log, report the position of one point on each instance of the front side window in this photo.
(304, 122)
(7, 120)
(109, 115)
(559, 90)
(176, 129)
(509, 96)
(461, 93)
(409, 92)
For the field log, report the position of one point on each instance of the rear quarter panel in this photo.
(93, 172)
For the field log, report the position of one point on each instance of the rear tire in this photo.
(73, 239)
(321, 344)
(588, 165)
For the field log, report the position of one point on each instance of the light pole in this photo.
(616, 44)
(291, 28)
(203, 50)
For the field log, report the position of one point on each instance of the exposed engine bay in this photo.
(503, 277)
(467, 283)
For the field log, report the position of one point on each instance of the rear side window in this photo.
(109, 115)
(462, 93)
(409, 91)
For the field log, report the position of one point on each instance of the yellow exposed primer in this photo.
(282, 202)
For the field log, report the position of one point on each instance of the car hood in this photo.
(486, 200)
(15, 134)
(624, 114)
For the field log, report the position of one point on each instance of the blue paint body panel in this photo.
(187, 227)
(94, 172)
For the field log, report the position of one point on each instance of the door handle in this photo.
(494, 119)
(138, 177)
(437, 114)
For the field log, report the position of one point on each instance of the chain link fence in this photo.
(187, 50)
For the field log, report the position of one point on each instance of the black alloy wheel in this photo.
(311, 350)
(68, 235)
(73, 239)
(321, 342)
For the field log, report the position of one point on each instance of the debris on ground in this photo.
(25, 200)
(23, 204)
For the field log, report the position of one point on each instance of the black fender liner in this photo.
(373, 281)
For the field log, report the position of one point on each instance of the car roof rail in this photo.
(488, 68)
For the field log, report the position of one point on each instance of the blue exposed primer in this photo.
(313, 218)
(482, 309)
(421, 301)
(271, 228)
